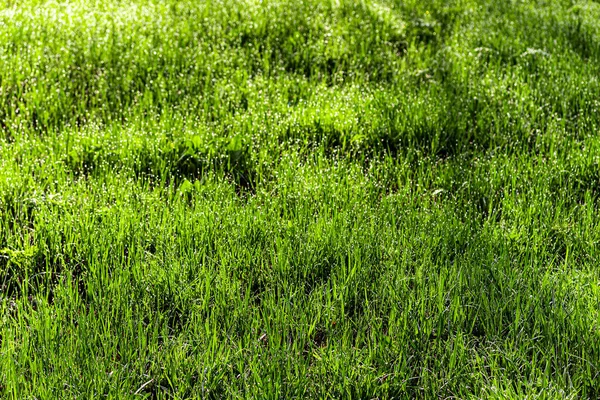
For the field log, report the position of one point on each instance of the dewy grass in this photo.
(299, 199)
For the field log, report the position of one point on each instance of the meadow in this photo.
(279, 199)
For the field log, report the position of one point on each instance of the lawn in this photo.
(279, 199)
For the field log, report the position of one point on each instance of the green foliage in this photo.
(299, 199)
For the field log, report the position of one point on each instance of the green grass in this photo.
(300, 199)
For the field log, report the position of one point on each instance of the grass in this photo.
(299, 199)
